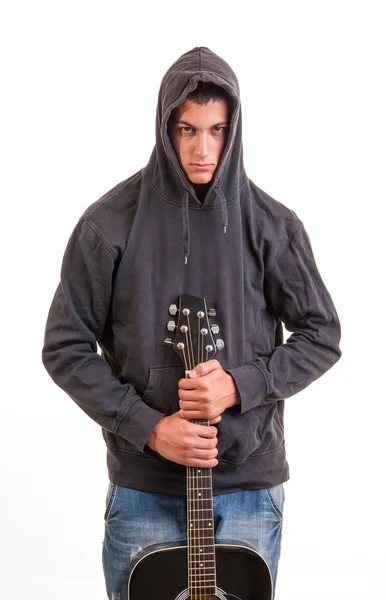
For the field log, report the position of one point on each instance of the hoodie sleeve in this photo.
(75, 323)
(298, 297)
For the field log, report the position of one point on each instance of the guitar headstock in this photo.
(194, 341)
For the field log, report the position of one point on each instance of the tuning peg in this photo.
(168, 342)
(215, 328)
(173, 310)
(171, 326)
(220, 344)
(211, 312)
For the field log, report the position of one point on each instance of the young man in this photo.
(191, 222)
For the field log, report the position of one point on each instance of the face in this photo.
(198, 134)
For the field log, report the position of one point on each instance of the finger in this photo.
(205, 432)
(194, 415)
(201, 464)
(187, 384)
(187, 405)
(202, 453)
(204, 368)
(205, 444)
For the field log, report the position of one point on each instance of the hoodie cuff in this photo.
(138, 423)
(251, 384)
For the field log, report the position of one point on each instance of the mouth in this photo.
(201, 166)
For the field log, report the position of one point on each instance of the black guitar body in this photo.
(241, 574)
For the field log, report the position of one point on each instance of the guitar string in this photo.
(199, 339)
(195, 568)
(200, 483)
(197, 572)
(208, 501)
(188, 351)
(189, 530)
(197, 505)
(185, 361)
(196, 516)
(204, 478)
(192, 358)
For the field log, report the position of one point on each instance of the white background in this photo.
(79, 87)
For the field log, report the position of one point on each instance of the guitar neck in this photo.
(200, 531)
(194, 344)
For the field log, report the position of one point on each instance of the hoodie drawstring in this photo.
(186, 232)
(223, 205)
(186, 236)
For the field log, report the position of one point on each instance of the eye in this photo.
(186, 129)
(219, 128)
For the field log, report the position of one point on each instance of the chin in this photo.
(201, 178)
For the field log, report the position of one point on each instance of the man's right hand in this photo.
(184, 442)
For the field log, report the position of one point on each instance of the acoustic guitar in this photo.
(200, 570)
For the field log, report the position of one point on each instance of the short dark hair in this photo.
(207, 91)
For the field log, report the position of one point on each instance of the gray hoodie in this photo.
(150, 240)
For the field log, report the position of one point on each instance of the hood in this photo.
(163, 169)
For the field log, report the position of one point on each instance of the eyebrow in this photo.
(193, 126)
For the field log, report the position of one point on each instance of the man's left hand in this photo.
(207, 392)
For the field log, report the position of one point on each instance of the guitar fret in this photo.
(200, 520)
(200, 559)
(197, 519)
(202, 572)
(195, 543)
(201, 589)
(203, 561)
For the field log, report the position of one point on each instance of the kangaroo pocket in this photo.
(161, 393)
(238, 436)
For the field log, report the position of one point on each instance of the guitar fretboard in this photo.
(200, 526)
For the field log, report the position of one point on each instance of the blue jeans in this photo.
(136, 519)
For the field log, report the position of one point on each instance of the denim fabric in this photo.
(136, 519)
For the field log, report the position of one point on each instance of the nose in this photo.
(202, 150)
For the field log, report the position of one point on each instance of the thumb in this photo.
(204, 368)
(215, 420)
